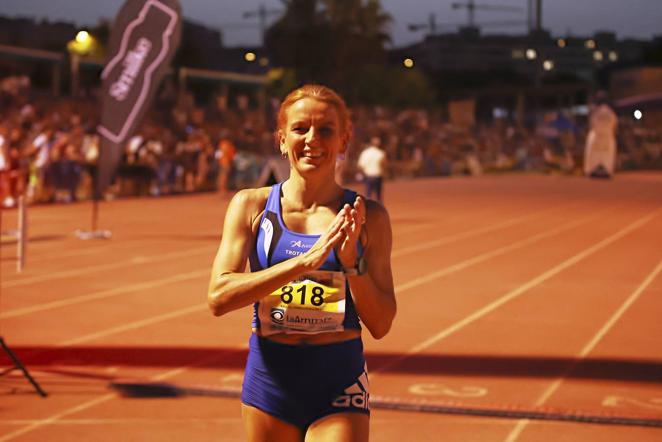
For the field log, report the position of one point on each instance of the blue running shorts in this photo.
(300, 384)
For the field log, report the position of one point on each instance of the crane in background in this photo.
(471, 6)
(262, 13)
(533, 22)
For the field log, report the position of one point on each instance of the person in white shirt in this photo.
(600, 152)
(372, 163)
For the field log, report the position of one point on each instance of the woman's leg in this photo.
(262, 427)
(340, 427)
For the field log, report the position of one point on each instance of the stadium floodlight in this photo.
(82, 37)
(82, 44)
(408, 63)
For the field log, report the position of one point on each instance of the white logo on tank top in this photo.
(268, 229)
(300, 244)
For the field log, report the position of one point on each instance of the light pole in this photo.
(83, 44)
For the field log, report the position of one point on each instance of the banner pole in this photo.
(94, 232)
(22, 234)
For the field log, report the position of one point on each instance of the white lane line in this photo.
(174, 255)
(104, 294)
(588, 348)
(191, 309)
(468, 233)
(517, 291)
(106, 267)
(491, 254)
(99, 400)
(133, 325)
(192, 275)
(81, 252)
(406, 229)
(49, 420)
(454, 268)
(197, 307)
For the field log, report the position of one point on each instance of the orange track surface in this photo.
(522, 292)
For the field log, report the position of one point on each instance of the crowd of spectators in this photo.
(49, 146)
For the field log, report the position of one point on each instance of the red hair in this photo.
(317, 92)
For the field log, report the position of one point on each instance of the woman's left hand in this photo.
(355, 217)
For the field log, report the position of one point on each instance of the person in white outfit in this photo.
(600, 151)
(372, 163)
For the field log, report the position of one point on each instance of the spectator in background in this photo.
(6, 196)
(226, 153)
(40, 151)
(555, 130)
(66, 172)
(372, 163)
(600, 152)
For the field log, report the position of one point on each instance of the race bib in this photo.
(313, 303)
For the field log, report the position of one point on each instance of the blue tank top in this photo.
(276, 243)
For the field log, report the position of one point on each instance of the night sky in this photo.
(628, 18)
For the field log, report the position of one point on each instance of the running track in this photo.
(514, 292)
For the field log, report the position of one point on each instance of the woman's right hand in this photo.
(318, 253)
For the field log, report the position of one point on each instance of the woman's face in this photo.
(312, 136)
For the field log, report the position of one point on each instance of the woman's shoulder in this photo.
(247, 205)
(251, 199)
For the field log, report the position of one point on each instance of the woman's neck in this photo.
(309, 192)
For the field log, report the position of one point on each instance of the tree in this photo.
(330, 41)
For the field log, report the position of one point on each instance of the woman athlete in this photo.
(319, 269)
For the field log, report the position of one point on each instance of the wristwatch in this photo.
(359, 268)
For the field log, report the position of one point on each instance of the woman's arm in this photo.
(230, 288)
(373, 292)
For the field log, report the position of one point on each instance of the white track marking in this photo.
(417, 349)
(588, 348)
(96, 401)
(192, 275)
(55, 417)
(133, 325)
(106, 267)
(488, 255)
(198, 307)
(104, 294)
(459, 325)
(467, 234)
(176, 255)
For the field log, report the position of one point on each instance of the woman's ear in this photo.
(281, 143)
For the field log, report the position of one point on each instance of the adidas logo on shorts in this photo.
(357, 395)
